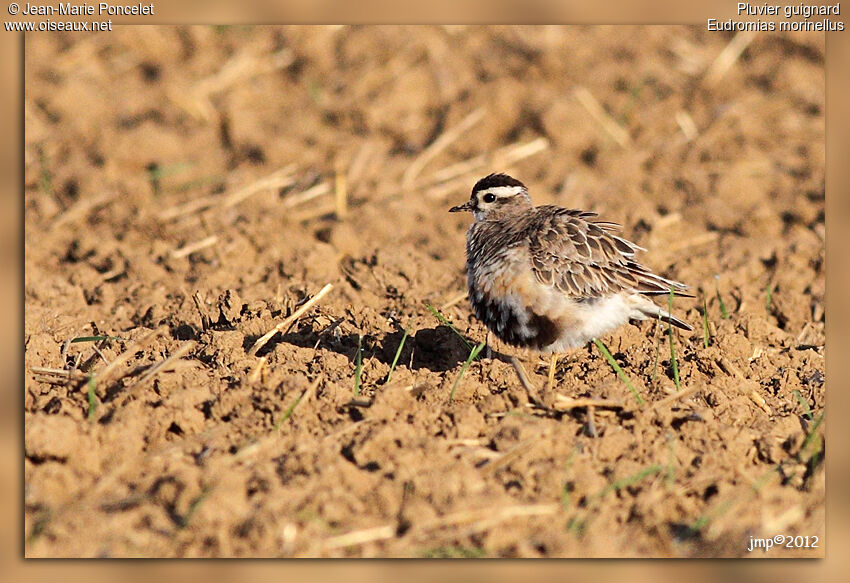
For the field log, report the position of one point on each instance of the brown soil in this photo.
(151, 217)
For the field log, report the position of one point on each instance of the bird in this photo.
(549, 278)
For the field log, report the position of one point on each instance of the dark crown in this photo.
(494, 180)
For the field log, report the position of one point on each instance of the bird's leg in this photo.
(523, 379)
(590, 428)
(552, 366)
(488, 354)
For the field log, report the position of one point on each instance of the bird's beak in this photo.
(467, 206)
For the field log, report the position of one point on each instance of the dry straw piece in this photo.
(476, 520)
(196, 100)
(454, 177)
(615, 130)
(728, 56)
(439, 145)
(687, 125)
(196, 246)
(279, 179)
(563, 403)
(163, 364)
(131, 350)
(283, 326)
(313, 192)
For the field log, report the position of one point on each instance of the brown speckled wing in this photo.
(586, 258)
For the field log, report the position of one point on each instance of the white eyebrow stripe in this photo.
(503, 191)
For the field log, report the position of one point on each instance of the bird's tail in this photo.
(668, 319)
(647, 309)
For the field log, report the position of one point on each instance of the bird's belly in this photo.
(592, 319)
(523, 312)
(515, 307)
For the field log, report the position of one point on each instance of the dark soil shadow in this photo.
(436, 349)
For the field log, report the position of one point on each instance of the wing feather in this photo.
(586, 258)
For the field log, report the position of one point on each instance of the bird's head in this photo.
(494, 196)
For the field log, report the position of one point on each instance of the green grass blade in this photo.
(577, 527)
(602, 348)
(92, 397)
(397, 354)
(706, 518)
(812, 434)
(288, 413)
(706, 335)
(472, 354)
(723, 507)
(159, 172)
(673, 361)
(93, 338)
(45, 178)
(630, 480)
(671, 469)
(804, 404)
(41, 519)
(566, 491)
(193, 507)
(723, 311)
(657, 353)
(45, 182)
(566, 496)
(445, 322)
(358, 367)
(454, 553)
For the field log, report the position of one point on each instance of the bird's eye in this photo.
(489, 197)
